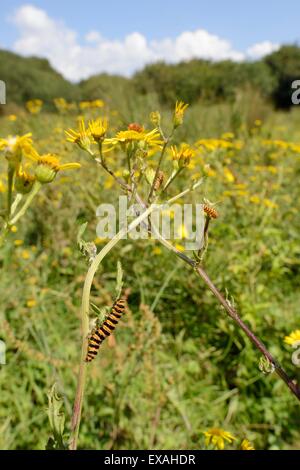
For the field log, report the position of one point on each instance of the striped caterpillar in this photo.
(159, 180)
(210, 211)
(107, 327)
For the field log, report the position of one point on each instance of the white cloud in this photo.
(259, 50)
(44, 36)
(93, 36)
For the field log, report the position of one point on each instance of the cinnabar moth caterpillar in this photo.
(159, 180)
(105, 329)
(210, 211)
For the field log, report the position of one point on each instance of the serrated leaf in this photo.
(88, 249)
(56, 419)
(80, 233)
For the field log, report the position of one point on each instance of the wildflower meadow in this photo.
(115, 341)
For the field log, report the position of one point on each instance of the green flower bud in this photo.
(44, 173)
(24, 182)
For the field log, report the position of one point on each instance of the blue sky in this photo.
(167, 30)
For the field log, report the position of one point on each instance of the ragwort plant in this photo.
(148, 167)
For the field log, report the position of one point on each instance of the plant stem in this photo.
(85, 322)
(228, 308)
(166, 141)
(10, 179)
(13, 208)
(233, 315)
(257, 343)
(16, 202)
(171, 179)
(37, 186)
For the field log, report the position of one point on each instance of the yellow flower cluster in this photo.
(34, 106)
(182, 156)
(96, 131)
(219, 437)
(216, 144)
(16, 148)
(62, 105)
(91, 104)
(282, 144)
(270, 168)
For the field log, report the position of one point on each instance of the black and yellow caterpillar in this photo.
(210, 211)
(105, 329)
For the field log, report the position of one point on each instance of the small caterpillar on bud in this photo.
(134, 126)
(210, 211)
(159, 180)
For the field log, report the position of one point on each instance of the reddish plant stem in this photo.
(236, 318)
(232, 312)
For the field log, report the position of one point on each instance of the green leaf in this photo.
(88, 249)
(57, 420)
(80, 233)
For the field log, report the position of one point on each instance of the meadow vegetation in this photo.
(177, 367)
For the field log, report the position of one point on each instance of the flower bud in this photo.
(155, 118)
(44, 173)
(24, 182)
(180, 109)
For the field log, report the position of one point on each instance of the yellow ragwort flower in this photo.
(98, 129)
(183, 155)
(91, 104)
(229, 176)
(142, 137)
(293, 338)
(48, 166)
(98, 103)
(14, 147)
(25, 254)
(81, 137)
(180, 109)
(217, 437)
(269, 203)
(246, 445)
(34, 106)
